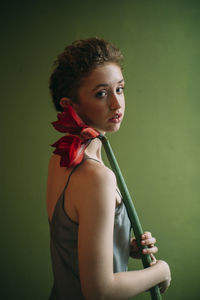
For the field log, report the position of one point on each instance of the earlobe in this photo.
(64, 101)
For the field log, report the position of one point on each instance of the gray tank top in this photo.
(64, 252)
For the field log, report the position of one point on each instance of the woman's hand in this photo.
(146, 240)
(165, 270)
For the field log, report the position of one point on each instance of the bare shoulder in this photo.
(92, 172)
(55, 171)
(54, 160)
(94, 185)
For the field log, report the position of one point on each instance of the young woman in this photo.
(89, 226)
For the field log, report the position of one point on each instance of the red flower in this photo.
(69, 121)
(71, 147)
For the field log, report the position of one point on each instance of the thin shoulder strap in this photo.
(74, 169)
(119, 192)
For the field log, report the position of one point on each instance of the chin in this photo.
(109, 128)
(113, 129)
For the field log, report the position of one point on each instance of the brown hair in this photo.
(77, 61)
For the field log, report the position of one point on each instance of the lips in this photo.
(116, 118)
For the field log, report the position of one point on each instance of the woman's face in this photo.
(101, 102)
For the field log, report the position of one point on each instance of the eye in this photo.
(101, 94)
(120, 89)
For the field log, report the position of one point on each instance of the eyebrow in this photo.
(105, 84)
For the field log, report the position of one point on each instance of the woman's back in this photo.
(64, 234)
(57, 179)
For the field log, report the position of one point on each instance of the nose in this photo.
(115, 102)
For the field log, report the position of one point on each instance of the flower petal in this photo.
(75, 116)
(89, 133)
(68, 121)
(67, 147)
(71, 147)
(79, 154)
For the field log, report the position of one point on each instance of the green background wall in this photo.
(157, 147)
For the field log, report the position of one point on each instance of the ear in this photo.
(64, 101)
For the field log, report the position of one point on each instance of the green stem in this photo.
(135, 222)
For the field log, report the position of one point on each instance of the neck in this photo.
(93, 150)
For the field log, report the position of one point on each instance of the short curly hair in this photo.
(76, 62)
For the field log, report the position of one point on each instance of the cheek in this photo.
(123, 103)
(91, 114)
(96, 110)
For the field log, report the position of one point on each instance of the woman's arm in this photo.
(96, 210)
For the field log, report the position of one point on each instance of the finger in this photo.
(133, 240)
(152, 250)
(153, 257)
(147, 234)
(149, 241)
(134, 244)
(153, 260)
